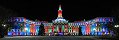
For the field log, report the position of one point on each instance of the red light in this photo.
(53, 28)
(88, 29)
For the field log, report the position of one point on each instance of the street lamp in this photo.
(4, 25)
(116, 26)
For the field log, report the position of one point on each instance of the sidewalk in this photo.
(63, 36)
(57, 37)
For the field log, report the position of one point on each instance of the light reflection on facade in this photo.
(60, 26)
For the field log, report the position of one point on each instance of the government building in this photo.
(60, 26)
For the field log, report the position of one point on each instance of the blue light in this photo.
(13, 30)
(92, 33)
(93, 26)
(99, 33)
(22, 19)
(95, 33)
(28, 33)
(107, 19)
(9, 33)
(17, 33)
(60, 33)
(83, 29)
(22, 33)
(83, 33)
(105, 33)
(27, 24)
(16, 19)
(101, 20)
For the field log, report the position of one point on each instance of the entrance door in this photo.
(60, 31)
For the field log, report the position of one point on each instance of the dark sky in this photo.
(47, 10)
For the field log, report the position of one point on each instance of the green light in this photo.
(57, 28)
(60, 7)
(63, 28)
(50, 30)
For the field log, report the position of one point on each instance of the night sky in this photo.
(47, 10)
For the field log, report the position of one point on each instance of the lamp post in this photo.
(115, 27)
(4, 25)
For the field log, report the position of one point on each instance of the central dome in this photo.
(60, 19)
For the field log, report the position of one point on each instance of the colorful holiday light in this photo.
(61, 26)
(60, 11)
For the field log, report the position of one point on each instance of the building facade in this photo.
(23, 26)
(62, 27)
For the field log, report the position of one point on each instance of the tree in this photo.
(41, 30)
(80, 33)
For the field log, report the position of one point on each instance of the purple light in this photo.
(60, 33)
